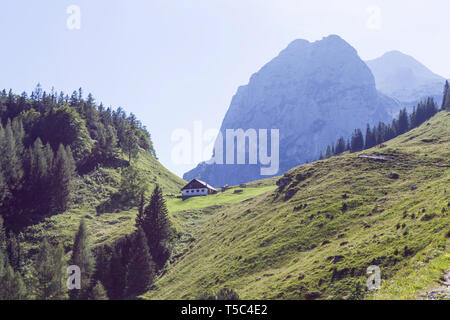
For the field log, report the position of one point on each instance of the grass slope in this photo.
(91, 190)
(315, 237)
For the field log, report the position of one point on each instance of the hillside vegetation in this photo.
(314, 236)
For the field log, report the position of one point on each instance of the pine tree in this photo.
(10, 160)
(370, 138)
(62, 180)
(357, 143)
(141, 269)
(447, 101)
(403, 122)
(50, 272)
(102, 265)
(83, 258)
(446, 95)
(116, 283)
(340, 146)
(12, 286)
(157, 228)
(329, 152)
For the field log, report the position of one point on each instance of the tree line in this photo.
(123, 270)
(47, 139)
(384, 132)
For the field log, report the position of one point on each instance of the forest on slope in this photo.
(72, 174)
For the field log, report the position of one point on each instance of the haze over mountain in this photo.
(402, 77)
(313, 93)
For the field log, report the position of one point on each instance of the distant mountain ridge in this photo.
(405, 79)
(313, 93)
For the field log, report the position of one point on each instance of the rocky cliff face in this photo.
(313, 93)
(405, 79)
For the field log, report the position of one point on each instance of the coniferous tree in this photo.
(141, 268)
(50, 272)
(357, 143)
(340, 146)
(102, 265)
(370, 138)
(63, 172)
(157, 228)
(116, 284)
(12, 286)
(329, 152)
(10, 161)
(403, 123)
(445, 95)
(83, 258)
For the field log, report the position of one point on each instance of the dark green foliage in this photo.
(61, 182)
(50, 274)
(44, 138)
(403, 122)
(446, 97)
(116, 284)
(157, 228)
(357, 142)
(12, 286)
(83, 258)
(340, 146)
(371, 140)
(385, 132)
(141, 268)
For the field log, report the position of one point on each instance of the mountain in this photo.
(315, 233)
(405, 79)
(313, 93)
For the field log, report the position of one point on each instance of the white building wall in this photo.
(195, 192)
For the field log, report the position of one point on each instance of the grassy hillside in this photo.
(93, 189)
(315, 237)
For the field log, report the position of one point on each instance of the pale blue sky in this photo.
(174, 62)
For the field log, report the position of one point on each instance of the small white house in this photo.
(197, 188)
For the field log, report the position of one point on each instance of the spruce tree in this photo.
(10, 160)
(445, 95)
(403, 122)
(329, 152)
(447, 101)
(157, 228)
(62, 180)
(50, 272)
(83, 258)
(12, 286)
(340, 146)
(141, 269)
(116, 284)
(357, 143)
(102, 265)
(370, 138)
